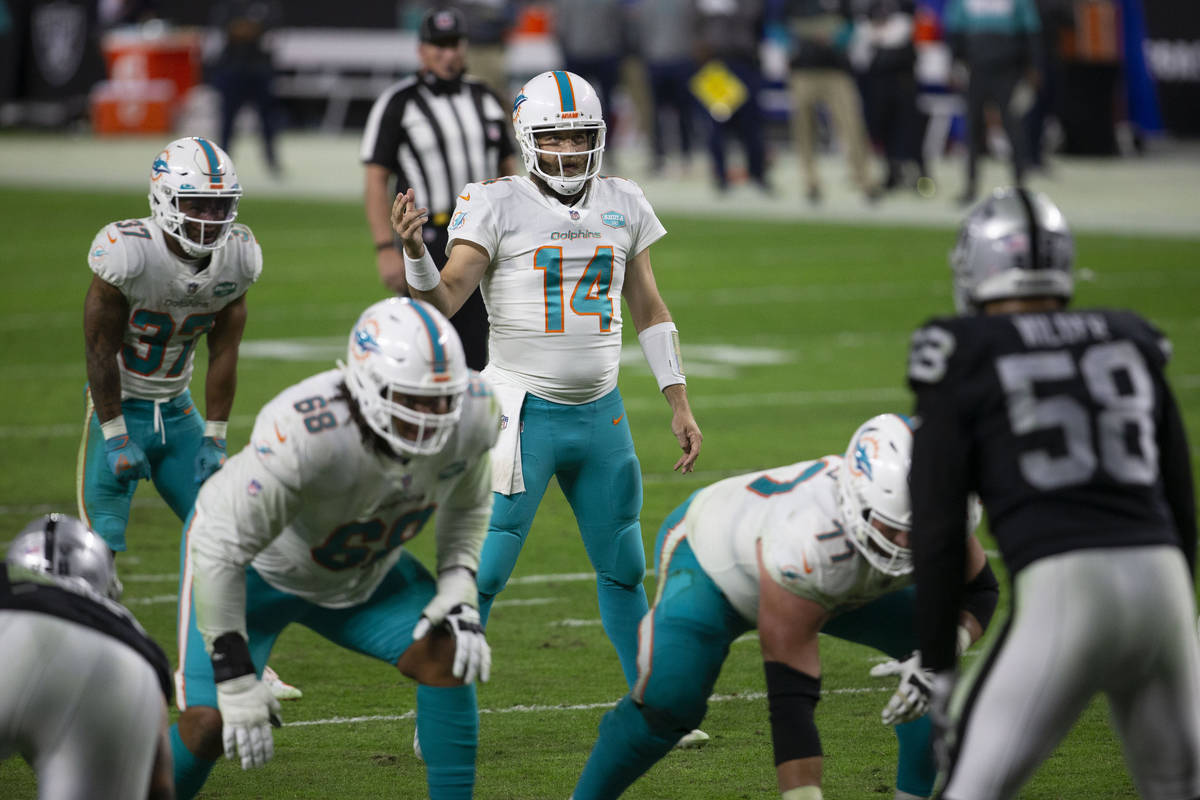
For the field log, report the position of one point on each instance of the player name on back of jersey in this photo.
(1061, 329)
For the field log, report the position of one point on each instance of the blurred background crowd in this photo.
(711, 87)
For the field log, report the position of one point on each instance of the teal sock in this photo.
(621, 611)
(190, 772)
(448, 728)
(916, 769)
(625, 749)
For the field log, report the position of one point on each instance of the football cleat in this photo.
(692, 741)
(280, 689)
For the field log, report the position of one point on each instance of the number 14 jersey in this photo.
(553, 289)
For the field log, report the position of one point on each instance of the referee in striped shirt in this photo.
(436, 131)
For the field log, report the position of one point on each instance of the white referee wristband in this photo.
(215, 429)
(114, 427)
(421, 273)
(660, 344)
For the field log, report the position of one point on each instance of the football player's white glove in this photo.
(454, 606)
(248, 710)
(911, 698)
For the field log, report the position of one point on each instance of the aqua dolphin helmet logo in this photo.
(365, 341)
(521, 98)
(862, 462)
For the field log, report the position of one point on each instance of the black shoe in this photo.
(813, 195)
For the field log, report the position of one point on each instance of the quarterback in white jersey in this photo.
(308, 524)
(159, 284)
(815, 547)
(556, 251)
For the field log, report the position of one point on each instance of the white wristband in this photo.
(114, 427)
(660, 344)
(803, 793)
(215, 428)
(421, 273)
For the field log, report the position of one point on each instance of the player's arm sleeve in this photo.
(462, 521)
(938, 481)
(649, 229)
(1176, 470)
(475, 218)
(234, 520)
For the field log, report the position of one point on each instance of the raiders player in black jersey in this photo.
(1064, 423)
(83, 689)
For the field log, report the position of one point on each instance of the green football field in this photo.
(792, 335)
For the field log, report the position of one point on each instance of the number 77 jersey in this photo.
(1057, 419)
(553, 289)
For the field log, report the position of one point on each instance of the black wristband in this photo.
(980, 595)
(231, 658)
(381, 246)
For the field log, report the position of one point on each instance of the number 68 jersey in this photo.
(170, 305)
(1073, 417)
(553, 290)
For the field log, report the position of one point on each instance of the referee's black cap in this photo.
(443, 26)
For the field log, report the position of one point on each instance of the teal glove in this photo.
(209, 458)
(126, 458)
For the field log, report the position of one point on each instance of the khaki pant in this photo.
(835, 90)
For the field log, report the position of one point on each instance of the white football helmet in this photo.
(67, 550)
(197, 170)
(559, 100)
(403, 352)
(873, 484)
(1012, 244)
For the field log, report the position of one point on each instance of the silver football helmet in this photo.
(64, 548)
(873, 485)
(1013, 244)
(406, 369)
(558, 101)
(197, 172)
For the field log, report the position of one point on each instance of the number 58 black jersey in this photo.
(1065, 424)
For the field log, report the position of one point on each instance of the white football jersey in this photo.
(553, 289)
(805, 547)
(322, 515)
(170, 306)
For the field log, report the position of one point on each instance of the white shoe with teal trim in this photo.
(281, 690)
(690, 741)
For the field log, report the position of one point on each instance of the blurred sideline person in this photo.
(307, 524)
(815, 547)
(1064, 423)
(995, 44)
(435, 131)
(244, 72)
(84, 690)
(554, 253)
(159, 284)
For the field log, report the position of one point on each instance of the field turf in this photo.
(792, 335)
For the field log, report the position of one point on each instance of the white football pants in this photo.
(85, 709)
(1121, 621)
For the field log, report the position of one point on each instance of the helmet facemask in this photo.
(565, 175)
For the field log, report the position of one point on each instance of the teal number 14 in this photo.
(590, 295)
